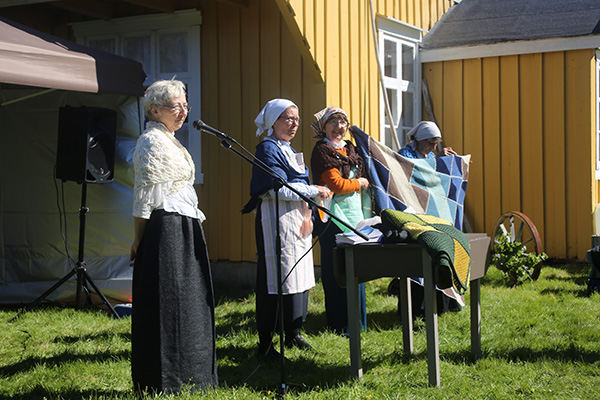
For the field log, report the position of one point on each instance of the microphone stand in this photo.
(278, 183)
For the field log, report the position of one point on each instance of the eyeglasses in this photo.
(336, 122)
(292, 120)
(178, 107)
(434, 140)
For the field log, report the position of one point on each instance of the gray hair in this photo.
(161, 92)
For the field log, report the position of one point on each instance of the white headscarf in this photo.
(423, 131)
(269, 114)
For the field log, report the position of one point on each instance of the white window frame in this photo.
(153, 25)
(597, 114)
(409, 35)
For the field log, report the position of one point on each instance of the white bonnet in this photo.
(269, 114)
(423, 131)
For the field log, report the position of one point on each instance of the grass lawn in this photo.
(539, 341)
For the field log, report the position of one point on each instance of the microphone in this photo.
(201, 126)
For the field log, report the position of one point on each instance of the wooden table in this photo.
(364, 262)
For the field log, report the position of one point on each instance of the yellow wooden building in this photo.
(234, 56)
(515, 84)
(524, 106)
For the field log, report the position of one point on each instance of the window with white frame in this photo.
(401, 75)
(598, 115)
(167, 45)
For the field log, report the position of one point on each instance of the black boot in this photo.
(294, 339)
(266, 351)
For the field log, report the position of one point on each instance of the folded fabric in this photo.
(448, 247)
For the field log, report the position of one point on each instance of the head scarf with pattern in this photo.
(321, 119)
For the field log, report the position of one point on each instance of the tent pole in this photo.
(26, 97)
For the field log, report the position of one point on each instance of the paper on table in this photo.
(373, 234)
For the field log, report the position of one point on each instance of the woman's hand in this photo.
(364, 183)
(447, 151)
(133, 252)
(139, 225)
(324, 192)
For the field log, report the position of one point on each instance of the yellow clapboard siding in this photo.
(208, 201)
(250, 98)
(237, 195)
(509, 134)
(433, 75)
(403, 11)
(332, 52)
(452, 123)
(226, 164)
(579, 152)
(425, 15)
(295, 26)
(418, 21)
(491, 142)
(309, 28)
(319, 15)
(353, 60)
(291, 88)
(434, 15)
(531, 139)
(270, 52)
(410, 16)
(553, 122)
(344, 64)
(369, 59)
(473, 143)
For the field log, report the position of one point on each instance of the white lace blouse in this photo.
(164, 175)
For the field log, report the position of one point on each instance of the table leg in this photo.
(475, 319)
(406, 314)
(431, 323)
(353, 315)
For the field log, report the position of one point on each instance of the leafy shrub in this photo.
(513, 260)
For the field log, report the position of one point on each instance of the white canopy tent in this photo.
(39, 74)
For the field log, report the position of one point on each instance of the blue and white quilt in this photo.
(433, 186)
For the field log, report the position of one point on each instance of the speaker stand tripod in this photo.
(83, 277)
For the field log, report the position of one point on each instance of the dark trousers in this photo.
(336, 309)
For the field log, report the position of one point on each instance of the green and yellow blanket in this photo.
(448, 247)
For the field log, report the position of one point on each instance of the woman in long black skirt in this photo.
(173, 324)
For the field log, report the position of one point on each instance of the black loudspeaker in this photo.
(86, 144)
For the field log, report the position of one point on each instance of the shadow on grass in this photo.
(244, 369)
(580, 292)
(29, 363)
(226, 293)
(38, 392)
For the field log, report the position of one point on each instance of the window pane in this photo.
(392, 95)
(390, 59)
(407, 63)
(173, 52)
(107, 45)
(387, 140)
(138, 48)
(407, 109)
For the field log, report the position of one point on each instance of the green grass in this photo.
(540, 341)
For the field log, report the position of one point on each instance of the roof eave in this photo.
(509, 48)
